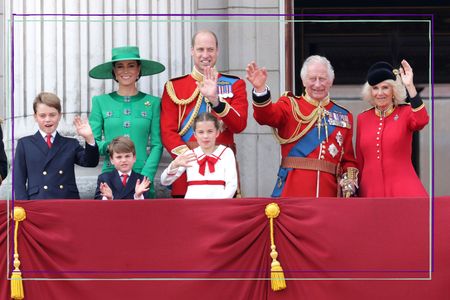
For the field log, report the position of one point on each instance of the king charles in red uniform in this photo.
(314, 132)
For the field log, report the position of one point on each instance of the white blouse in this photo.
(222, 183)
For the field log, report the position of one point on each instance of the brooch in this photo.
(147, 103)
(333, 150)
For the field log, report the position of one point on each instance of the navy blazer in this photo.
(115, 184)
(43, 173)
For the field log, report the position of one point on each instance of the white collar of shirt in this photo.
(44, 135)
(120, 173)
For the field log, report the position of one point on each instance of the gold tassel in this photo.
(277, 280)
(16, 276)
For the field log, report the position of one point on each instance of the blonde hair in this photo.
(48, 99)
(398, 90)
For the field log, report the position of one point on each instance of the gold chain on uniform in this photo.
(301, 119)
(171, 92)
(173, 96)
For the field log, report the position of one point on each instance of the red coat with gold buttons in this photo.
(383, 151)
(336, 149)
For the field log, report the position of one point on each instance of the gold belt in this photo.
(309, 164)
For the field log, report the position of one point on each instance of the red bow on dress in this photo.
(211, 162)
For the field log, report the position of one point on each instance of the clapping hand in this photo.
(106, 191)
(256, 76)
(84, 129)
(208, 87)
(141, 187)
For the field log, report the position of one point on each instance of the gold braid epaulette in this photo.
(173, 96)
(301, 119)
(193, 115)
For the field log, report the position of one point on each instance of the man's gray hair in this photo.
(316, 59)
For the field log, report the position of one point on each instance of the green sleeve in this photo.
(151, 165)
(96, 122)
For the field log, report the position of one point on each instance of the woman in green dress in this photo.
(127, 111)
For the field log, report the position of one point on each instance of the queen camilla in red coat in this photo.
(384, 133)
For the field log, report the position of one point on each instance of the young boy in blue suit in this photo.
(123, 182)
(44, 162)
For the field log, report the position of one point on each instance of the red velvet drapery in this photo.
(219, 249)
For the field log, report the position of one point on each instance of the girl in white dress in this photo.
(211, 169)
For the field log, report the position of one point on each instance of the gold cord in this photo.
(193, 115)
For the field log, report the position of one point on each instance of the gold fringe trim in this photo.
(277, 280)
(16, 276)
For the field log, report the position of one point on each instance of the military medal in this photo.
(224, 89)
(339, 138)
(229, 91)
(333, 150)
(338, 119)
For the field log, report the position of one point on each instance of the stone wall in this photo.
(241, 40)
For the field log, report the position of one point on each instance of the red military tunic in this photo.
(383, 151)
(337, 149)
(181, 96)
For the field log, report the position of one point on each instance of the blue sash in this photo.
(188, 134)
(305, 146)
(224, 84)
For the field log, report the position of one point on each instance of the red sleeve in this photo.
(418, 118)
(235, 113)
(359, 155)
(348, 159)
(272, 114)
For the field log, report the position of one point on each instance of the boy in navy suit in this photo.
(44, 162)
(123, 182)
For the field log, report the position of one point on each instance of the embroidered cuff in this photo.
(222, 109)
(416, 102)
(261, 101)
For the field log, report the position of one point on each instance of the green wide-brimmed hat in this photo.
(148, 67)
